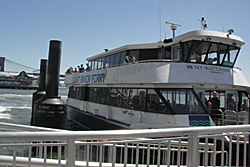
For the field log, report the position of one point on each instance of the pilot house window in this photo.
(209, 53)
(175, 52)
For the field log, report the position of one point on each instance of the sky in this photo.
(87, 27)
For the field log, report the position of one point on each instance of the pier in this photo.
(22, 145)
(14, 80)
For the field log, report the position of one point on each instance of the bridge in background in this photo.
(19, 80)
(27, 69)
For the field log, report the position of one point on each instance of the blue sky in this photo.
(87, 27)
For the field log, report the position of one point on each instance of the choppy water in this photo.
(15, 105)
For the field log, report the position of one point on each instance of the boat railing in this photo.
(217, 116)
(190, 146)
(135, 62)
(152, 61)
(229, 117)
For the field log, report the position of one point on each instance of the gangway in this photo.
(191, 146)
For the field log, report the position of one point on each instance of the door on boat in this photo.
(208, 95)
(231, 100)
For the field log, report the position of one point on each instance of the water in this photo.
(15, 105)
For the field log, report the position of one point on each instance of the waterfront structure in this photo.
(15, 80)
(165, 84)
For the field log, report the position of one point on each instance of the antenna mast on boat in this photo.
(203, 23)
(173, 27)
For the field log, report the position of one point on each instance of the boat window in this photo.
(107, 61)
(112, 61)
(128, 98)
(230, 57)
(137, 98)
(154, 103)
(90, 93)
(123, 98)
(148, 54)
(186, 49)
(183, 101)
(103, 62)
(96, 95)
(113, 96)
(90, 64)
(96, 65)
(167, 53)
(167, 101)
(117, 59)
(197, 51)
(243, 101)
(77, 93)
(93, 65)
(231, 101)
(123, 57)
(99, 66)
(72, 92)
(107, 95)
(209, 95)
(175, 52)
(208, 53)
(134, 54)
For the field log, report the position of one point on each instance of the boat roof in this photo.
(209, 35)
(205, 35)
(128, 47)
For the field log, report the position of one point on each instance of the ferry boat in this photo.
(160, 85)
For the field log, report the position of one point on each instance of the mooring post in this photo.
(51, 110)
(52, 85)
(42, 85)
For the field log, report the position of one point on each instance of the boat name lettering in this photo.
(98, 77)
(211, 69)
(94, 78)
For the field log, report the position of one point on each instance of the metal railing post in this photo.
(193, 150)
(71, 152)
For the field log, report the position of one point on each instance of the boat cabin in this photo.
(203, 47)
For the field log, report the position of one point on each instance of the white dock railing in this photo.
(195, 146)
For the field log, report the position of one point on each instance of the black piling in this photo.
(51, 110)
(42, 86)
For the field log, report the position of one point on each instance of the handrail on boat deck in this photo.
(135, 62)
(229, 117)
